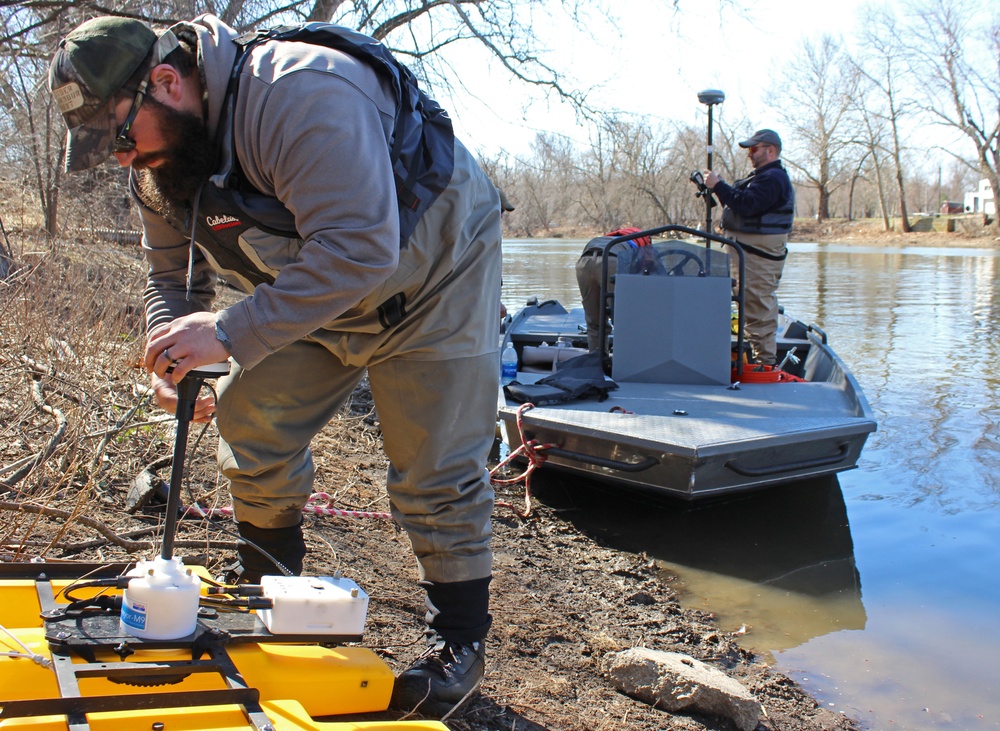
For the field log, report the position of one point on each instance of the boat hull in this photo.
(605, 447)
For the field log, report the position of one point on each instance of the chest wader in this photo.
(422, 154)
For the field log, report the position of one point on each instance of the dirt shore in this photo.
(967, 231)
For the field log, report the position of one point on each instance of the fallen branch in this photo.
(97, 525)
(38, 396)
(130, 546)
(71, 548)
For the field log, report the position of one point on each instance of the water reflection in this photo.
(779, 561)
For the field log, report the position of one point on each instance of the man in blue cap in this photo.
(758, 213)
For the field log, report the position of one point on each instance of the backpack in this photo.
(422, 152)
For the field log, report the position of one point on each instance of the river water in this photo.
(878, 590)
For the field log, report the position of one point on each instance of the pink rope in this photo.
(312, 506)
(530, 448)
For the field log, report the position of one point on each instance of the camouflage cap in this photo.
(92, 64)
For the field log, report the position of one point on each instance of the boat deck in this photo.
(696, 439)
(700, 421)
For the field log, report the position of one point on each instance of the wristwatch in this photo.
(221, 336)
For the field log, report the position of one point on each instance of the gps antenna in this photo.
(710, 97)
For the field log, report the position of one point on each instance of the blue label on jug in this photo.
(134, 615)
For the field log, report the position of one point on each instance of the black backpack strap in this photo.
(405, 184)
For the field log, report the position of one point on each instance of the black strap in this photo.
(405, 192)
(392, 311)
(761, 253)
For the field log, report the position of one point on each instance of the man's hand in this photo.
(711, 179)
(166, 398)
(187, 342)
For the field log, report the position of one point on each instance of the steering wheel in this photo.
(686, 256)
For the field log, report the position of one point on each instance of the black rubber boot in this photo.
(442, 676)
(451, 669)
(265, 552)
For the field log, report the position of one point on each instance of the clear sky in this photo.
(655, 66)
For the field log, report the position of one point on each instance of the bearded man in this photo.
(311, 172)
(759, 212)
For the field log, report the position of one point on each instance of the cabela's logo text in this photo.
(219, 222)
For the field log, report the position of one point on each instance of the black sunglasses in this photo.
(124, 143)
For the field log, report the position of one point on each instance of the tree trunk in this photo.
(323, 10)
(898, 159)
(50, 208)
(6, 255)
(823, 205)
(880, 186)
(994, 177)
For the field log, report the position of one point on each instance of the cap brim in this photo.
(91, 143)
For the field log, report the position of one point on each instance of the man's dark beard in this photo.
(190, 159)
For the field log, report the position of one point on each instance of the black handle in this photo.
(611, 464)
(789, 466)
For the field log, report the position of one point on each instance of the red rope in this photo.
(532, 450)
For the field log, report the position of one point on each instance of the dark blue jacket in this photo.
(762, 203)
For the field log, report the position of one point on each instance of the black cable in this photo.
(67, 591)
(285, 571)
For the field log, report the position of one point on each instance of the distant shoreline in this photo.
(968, 232)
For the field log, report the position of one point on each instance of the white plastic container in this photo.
(161, 603)
(315, 605)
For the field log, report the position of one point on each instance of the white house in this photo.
(981, 201)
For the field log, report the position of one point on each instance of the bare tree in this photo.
(419, 31)
(882, 65)
(545, 186)
(870, 138)
(957, 60)
(813, 98)
(657, 177)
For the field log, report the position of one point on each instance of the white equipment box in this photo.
(322, 605)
